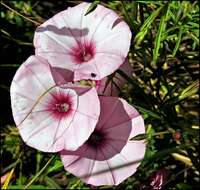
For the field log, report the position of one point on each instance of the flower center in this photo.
(86, 56)
(63, 107)
(95, 138)
(83, 52)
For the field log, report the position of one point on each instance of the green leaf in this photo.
(56, 166)
(189, 91)
(194, 37)
(148, 112)
(163, 153)
(178, 42)
(127, 16)
(92, 7)
(139, 137)
(31, 187)
(183, 186)
(159, 35)
(150, 2)
(38, 161)
(145, 27)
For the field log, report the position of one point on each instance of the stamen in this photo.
(86, 57)
(64, 107)
(83, 52)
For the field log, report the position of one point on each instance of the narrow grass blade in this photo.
(159, 35)
(178, 42)
(128, 18)
(189, 91)
(9, 65)
(148, 112)
(147, 24)
(194, 37)
(39, 173)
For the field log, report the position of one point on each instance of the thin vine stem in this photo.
(40, 172)
(14, 11)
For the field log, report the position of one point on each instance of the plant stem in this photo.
(35, 22)
(40, 172)
(161, 133)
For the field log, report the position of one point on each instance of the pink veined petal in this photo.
(104, 117)
(57, 133)
(95, 20)
(100, 65)
(106, 172)
(61, 60)
(55, 37)
(111, 108)
(55, 34)
(85, 71)
(48, 116)
(31, 80)
(106, 29)
(73, 18)
(104, 24)
(107, 62)
(125, 163)
(138, 126)
(41, 128)
(85, 119)
(116, 158)
(91, 45)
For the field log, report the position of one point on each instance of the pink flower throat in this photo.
(60, 104)
(83, 52)
(95, 139)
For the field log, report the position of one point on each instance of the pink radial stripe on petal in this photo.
(62, 103)
(92, 46)
(109, 157)
(52, 117)
(83, 52)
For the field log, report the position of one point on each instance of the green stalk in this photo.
(40, 172)
(14, 11)
(159, 35)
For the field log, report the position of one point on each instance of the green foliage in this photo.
(92, 7)
(164, 88)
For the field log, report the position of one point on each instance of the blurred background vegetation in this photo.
(164, 88)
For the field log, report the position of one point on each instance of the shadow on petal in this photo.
(61, 76)
(114, 136)
(74, 32)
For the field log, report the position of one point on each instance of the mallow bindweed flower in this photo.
(113, 84)
(109, 156)
(92, 46)
(52, 117)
